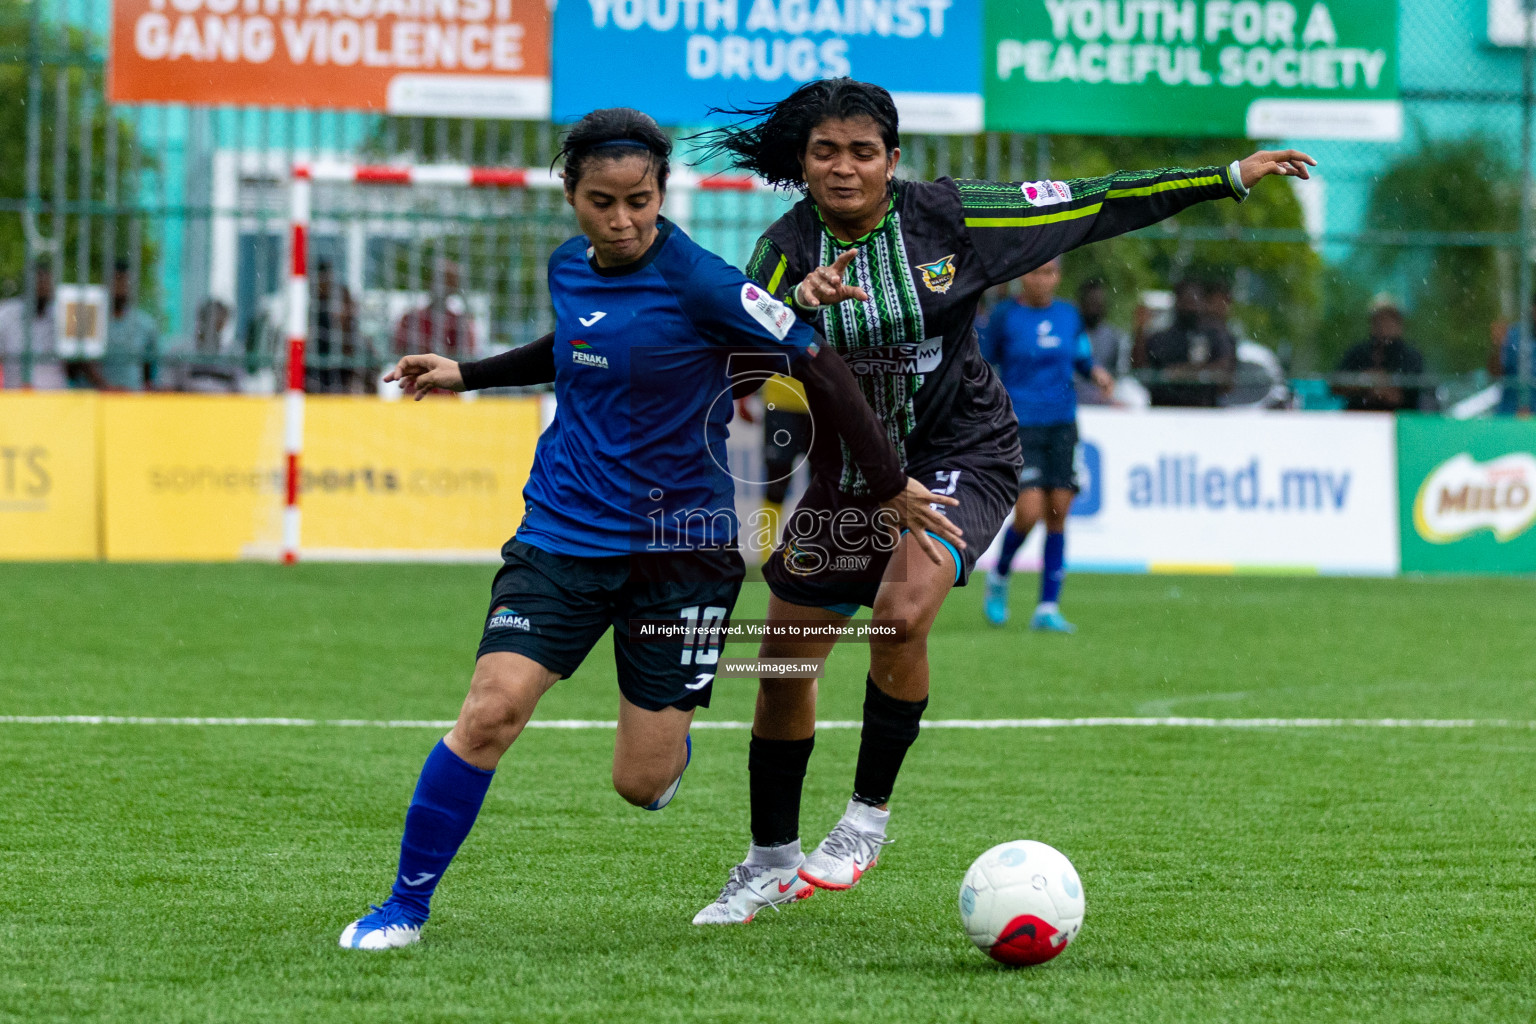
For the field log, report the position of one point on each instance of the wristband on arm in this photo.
(533, 363)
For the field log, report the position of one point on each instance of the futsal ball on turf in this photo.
(1022, 902)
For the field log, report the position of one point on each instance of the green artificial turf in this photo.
(176, 873)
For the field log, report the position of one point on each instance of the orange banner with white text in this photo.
(447, 58)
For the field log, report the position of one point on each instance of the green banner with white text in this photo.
(1467, 490)
(1294, 69)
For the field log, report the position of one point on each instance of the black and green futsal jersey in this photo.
(913, 346)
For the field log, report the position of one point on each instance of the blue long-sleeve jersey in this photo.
(635, 458)
(1036, 352)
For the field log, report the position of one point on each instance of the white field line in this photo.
(941, 723)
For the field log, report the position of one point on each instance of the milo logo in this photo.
(1461, 496)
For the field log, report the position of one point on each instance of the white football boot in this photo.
(750, 888)
(388, 927)
(850, 849)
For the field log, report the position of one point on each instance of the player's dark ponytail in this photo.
(610, 134)
(769, 140)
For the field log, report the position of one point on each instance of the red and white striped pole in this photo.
(298, 331)
(451, 175)
(534, 178)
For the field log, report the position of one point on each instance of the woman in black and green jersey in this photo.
(891, 271)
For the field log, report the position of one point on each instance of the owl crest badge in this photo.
(939, 275)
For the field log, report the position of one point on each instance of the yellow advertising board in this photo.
(438, 478)
(192, 477)
(48, 481)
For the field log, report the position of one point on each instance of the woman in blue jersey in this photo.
(1038, 346)
(629, 513)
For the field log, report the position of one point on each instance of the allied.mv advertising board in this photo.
(677, 59)
(1227, 492)
(1271, 69)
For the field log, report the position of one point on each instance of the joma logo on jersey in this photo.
(939, 275)
(503, 617)
(582, 355)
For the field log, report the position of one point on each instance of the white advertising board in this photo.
(1217, 491)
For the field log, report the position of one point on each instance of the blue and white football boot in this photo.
(1049, 620)
(997, 599)
(388, 927)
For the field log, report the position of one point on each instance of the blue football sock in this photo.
(447, 799)
(1012, 541)
(1054, 569)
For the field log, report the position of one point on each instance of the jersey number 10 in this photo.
(702, 644)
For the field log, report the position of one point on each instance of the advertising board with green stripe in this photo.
(1272, 69)
(1467, 494)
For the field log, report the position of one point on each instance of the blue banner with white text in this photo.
(675, 59)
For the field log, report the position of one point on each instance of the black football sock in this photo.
(776, 769)
(890, 727)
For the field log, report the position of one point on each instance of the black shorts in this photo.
(834, 553)
(554, 608)
(1050, 456)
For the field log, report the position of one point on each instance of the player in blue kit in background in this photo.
(629, 506)
(1038, 345)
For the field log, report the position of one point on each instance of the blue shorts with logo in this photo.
(1050, 453)
(554, 608)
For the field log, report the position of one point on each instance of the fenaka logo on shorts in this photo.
(767, 310)
(939, 275)
(503, 617)
(582, 355)
(1461, 496)
(1046, 193)
(903, 359)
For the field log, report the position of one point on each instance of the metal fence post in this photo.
(1523, 313)
(34, 190)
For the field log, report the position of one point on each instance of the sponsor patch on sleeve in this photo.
(775, 317)
(1046, 193)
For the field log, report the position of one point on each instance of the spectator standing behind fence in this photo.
(48, 371)
(203, 369)
(1194, 359)
(443, 326)
(330, 364)
(1217, 302)
(1504, 362)
(1111, 346)
(1382, 356)
(131, 359)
